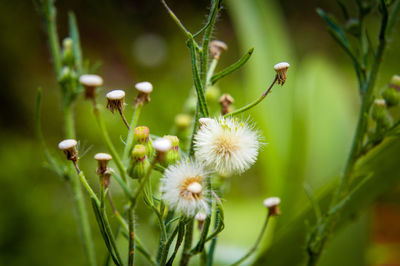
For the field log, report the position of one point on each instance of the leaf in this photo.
(378, 173)
(232, 68)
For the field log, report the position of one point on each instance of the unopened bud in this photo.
(391, 96)
(183, 121)
(379, 110)
(162, 146)
(200, 217)
(272, 204)
(139, 163)
(105, 178)
(173, 154)
(216, 48)
(281, 72)
(395, 82)
(90, 83)
(68, 54)
(115, 100)
(144, 89)
(102, 159)
(212, 94)
(141, 135)
(226, 101)
(68, 146)
(65, 75)
(353, 27)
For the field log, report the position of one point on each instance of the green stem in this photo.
(143, 183)
(129, 140)
(69, 121)
(83, 218)
(51, 29)
(131, 253)
(254, 247)
(251, 105)
(109, 144)
(187, 244)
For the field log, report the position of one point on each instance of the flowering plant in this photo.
(206, 148)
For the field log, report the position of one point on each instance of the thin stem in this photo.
(144, 181)
(51, 29)
(210, 71)
(254, 247)
(123, 118)
(251, 105)
(176, 19)
(69, 124)
(110, 146)
(129, 139)
(131, 235)
(187, 244)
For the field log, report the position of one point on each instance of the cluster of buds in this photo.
(141, 135)
(173, 154)
(139, 163)
(68, 53)
(216, 48)
(391, 94)
(102, 170)
(272, 204)
(281, 72)
(144, 89)
(226, 101)
(379, 113)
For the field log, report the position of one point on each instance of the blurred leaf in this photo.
(384, 174)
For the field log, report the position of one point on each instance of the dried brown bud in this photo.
(281, 72)
(144, 89)
(116, 100)
(226, 101)
(216, 48)
(90, 83)
(102, 159)
(68, 146)
(272, 204)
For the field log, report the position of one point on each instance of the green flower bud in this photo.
(68, 54)
(379, 110)
(141, 135)
(395, 82)
(353, 27)
(172, 154)
(391, 97)
(139, 163)
(212, 94)
(65, 75)
(183, 121)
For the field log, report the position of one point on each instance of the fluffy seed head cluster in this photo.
(227, 145)
(183, 187)
(281, 72)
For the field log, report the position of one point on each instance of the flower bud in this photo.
(68, 146)
(68, 53)
(272, 204)
(115, 100)
(144, 89)
(90, 83)
(65, 75)
(281, 72)
(395, 82)
(139, 163)
(353, 27)
(102, 159)
(141, 135)
(200, 218)
(173, 154)
(379, 110)
(391, 96)
(183, 121)
(216, 48)
(105, 178)
(162, 146)
(212, 94)
(226, 101)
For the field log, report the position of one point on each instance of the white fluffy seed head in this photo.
(162, 145)
(281, 66)
(272, 202)
(204, 120)
(144, 87)
(227, 145)
(102, 157)
(182, 187)
(91, 80)
(115, 95)
(67, 144)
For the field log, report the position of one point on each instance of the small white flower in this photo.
(227, 145)
(183, 187)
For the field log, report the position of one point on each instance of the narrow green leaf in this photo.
(232, 68)
(74, 34)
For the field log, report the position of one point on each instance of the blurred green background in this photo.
(307, 124)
